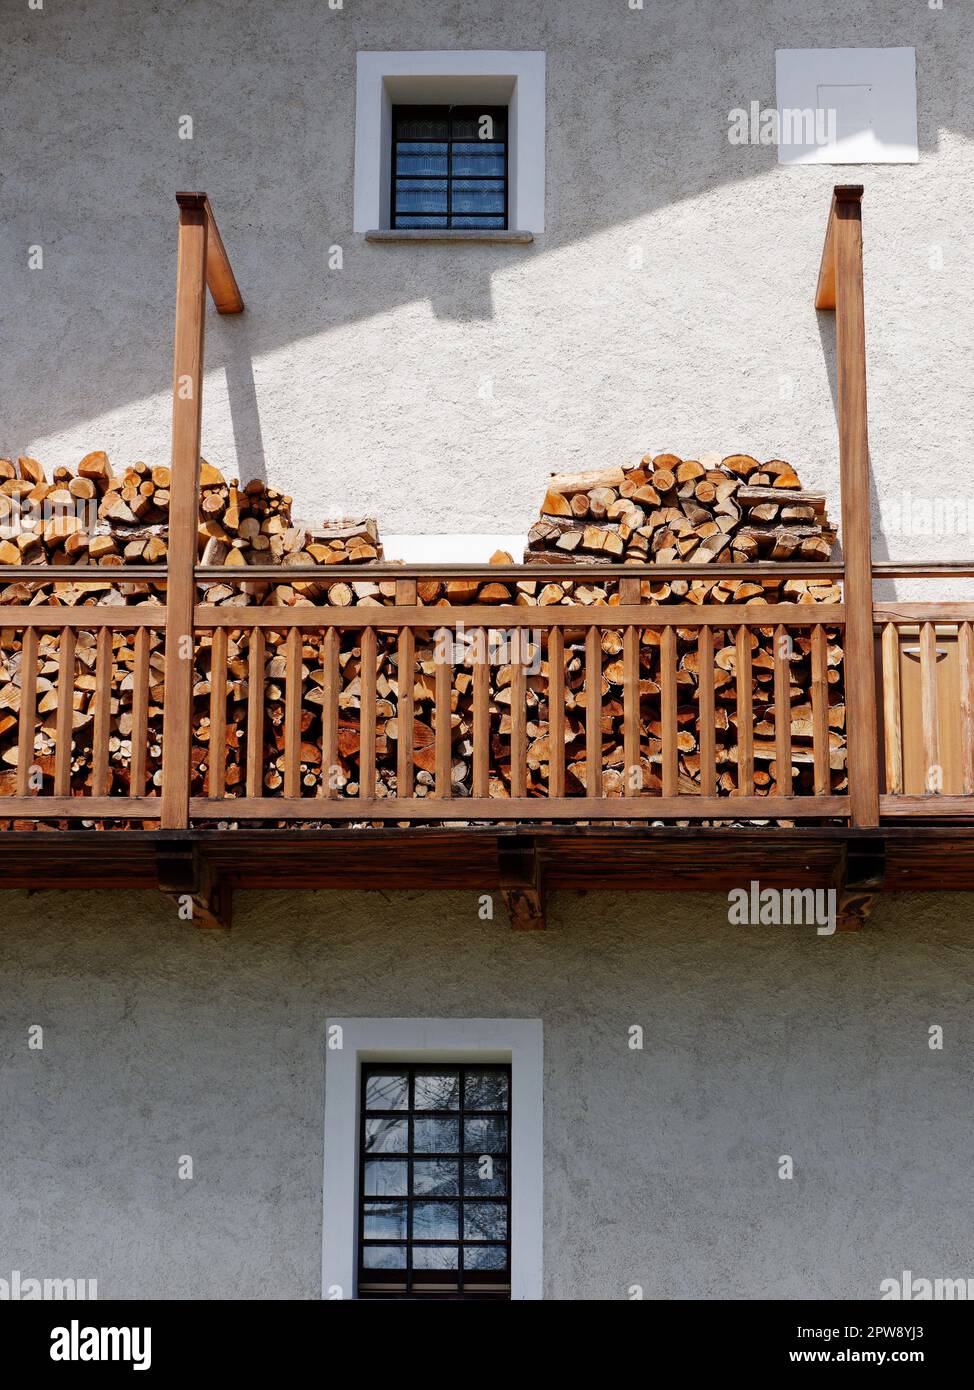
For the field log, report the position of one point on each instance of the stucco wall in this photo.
(661, 1166)
(363, 387)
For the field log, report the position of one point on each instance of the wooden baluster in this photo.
(820, 710)
(965, 647)
(255, 713)
(481, 715)
(782, 711)
(745, 715)
(329, 713)
(216, 783)
(101, 724)
(593, 712)
(442, 686)
(668, 710)
(631, 710)
(26, 729)
(293, 691)
(519, 732)
(65, 714)
(406, 681)
(705, 693)
(929, 705)
(556, 713)
(366, 770)
(892, 710)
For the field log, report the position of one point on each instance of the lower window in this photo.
(435, 1181)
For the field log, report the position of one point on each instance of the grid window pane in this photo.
(384, 1136)
(432, 1222)
(485, 1134)
(385, 1221)
(437, 1090)
(384, 1179)
(449, 163)
(387, 1091)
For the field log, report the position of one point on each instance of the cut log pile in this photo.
(665, 509)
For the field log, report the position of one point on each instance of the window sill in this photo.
(409, 234)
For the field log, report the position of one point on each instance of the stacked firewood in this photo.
(666, 510)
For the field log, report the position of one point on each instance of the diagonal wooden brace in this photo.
(521, 882)
(186, 877)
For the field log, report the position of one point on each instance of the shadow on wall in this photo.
(94, 98)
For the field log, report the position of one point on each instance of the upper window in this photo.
(449, 166)
(434, 1185)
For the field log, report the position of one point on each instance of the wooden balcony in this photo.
(902, 816)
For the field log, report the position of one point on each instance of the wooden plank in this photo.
(892, 710)
(820, 710)
(51, 618)
(406, 679)
(184, 510)
(65, 710)
(255, 713)
(593, 712)
(628, 590)
(556, 714)
(330, 682)
(631, 709)
(442, 731)
(782, 710)
(705, 705)
(366, 774)
(519, 729)
(947, 612)
(292, 713)
(60, 807)
(965, 651)
(532, 808)
(389, 619)
(101, 723)
(667, 657)
(217, 754)
(947, 807)
(481, 715)
(27, 725)
(406, 595)
(929, 706)
(850, 351)
(219, 273)
(745, 715)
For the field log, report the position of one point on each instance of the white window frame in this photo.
(890, 72)
(512, 79)
(519, 1041)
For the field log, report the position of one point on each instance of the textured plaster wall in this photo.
(437, 386)
(660, 1166)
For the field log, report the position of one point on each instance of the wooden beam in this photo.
(522, 886)
(840, 287)
(183, 508)
(187, 877)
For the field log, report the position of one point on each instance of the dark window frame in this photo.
(450, 113)
(409, 1283)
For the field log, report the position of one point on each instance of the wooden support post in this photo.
(522, 886)
(187, 406)
(201, 259)
(200, 897)
(840, 288)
